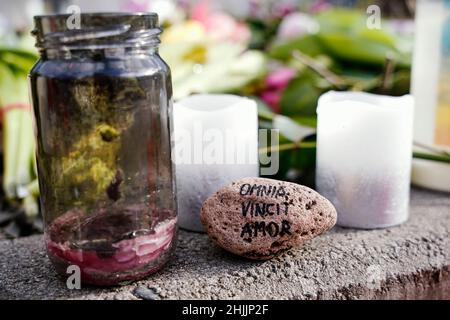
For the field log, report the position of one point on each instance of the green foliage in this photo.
(301, 95)
(18, 140)
(357, 48)
(20, 61)
(358, 56)
(343, 55)
(261, 31)
(308, 44)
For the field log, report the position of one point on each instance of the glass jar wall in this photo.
(102, 96)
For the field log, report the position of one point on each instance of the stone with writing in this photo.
(258, 218)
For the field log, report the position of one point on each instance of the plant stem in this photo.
(30, 207)
(265, 115)
(11, 142)
(25, 150)
(433, 157)
(432, 149)
(331, 77)
(389, 68)
(312, 145)
(33, 188)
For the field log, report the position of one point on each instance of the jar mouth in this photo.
(96, 30)
(104, 14)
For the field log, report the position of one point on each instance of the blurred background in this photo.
(284, 54)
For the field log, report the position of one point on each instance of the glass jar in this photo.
(102, 101)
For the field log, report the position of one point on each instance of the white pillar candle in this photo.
(364, 152)
(215, 143)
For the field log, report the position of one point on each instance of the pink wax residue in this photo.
(103, 257)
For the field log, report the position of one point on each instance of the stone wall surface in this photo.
(411, 261)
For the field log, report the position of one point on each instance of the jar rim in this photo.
(96, 30)
(99, 13)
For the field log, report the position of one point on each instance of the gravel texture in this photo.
(411, 261)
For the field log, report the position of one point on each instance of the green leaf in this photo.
(340, 20)
(18, 60)
(262, 32)
(379, 36)
(25, 54)
(310, 121)
(302, 161)
(352, 49)
(301, 96)
(264, 111)
(7, 85)
(291, 129)
(401, 83)
(344, 35)
(308, 44)
(360, 79)
(18, 140)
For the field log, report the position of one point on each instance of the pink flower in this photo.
(241, 33)
(272, 98)
(283, 9)
(279, 79)
(320, 5)
(200, 11)
(220, 25)
(276, 82)
(136, 5)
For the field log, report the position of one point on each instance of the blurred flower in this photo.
(284, 8)
(276, 82)
(297, 24)
(219, 25)
(136, 5)
(189, 31)
(272, 98)
(208, 54)
(211, 67)
(269, 9)
(280, 78)
(403, 28)
(18, 15)
(320, 5)
(255, 9)
(166, 9)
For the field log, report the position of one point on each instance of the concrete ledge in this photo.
(407, 262)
